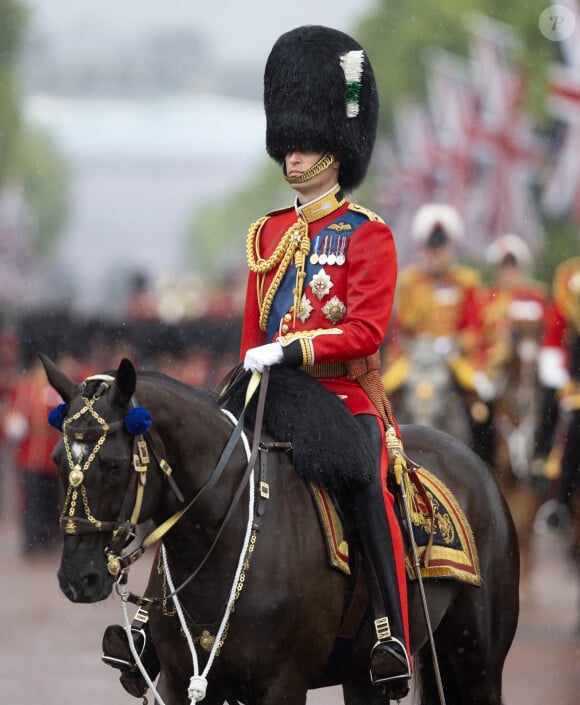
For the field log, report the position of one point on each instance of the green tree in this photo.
(397, 37)
(28, 159)
(216, 235)
(43, 175)
(12, 23)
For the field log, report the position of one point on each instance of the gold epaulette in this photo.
(567, 290)
(411, 274)
(365, 211)
(466, 276)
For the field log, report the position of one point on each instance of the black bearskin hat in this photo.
(320, 96)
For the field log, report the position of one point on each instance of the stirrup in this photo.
(390, 666)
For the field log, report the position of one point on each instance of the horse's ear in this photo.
(57, 379)
(125, 382)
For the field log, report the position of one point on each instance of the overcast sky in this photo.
(233, 29)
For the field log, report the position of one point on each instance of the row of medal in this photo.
(329, 249)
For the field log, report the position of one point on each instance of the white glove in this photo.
(263, 356)
(552, 368)
(484, 387)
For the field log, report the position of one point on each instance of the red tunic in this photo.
(340, 314)
(503, 311)
(345, 309)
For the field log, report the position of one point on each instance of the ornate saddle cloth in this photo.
(445, 542)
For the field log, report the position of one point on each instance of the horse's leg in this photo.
(171, 692)
(475, 636)
(524, 503)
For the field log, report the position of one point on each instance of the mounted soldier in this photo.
(321, 286)
(559, 364)
(437, 303)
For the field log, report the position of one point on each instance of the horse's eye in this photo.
(115, 465)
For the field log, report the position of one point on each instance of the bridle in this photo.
(123, 529)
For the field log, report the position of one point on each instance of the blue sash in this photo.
(330, 240)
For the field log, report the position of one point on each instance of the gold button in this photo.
(287, 317)
(284, 328)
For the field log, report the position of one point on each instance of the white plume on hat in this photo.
(431, 215)
(509, 244)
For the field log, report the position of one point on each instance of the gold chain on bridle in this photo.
(206, 639)
(77, 472)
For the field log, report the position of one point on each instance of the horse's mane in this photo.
(328, 445)
(178, 385)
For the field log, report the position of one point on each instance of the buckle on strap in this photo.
(382, 628)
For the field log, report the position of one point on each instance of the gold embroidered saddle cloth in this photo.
(444, 539)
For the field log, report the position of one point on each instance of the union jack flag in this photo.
(509, 151)
(473, 144)
(454, 105)
(410, 162)
(561, 191)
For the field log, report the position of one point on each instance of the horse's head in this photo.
(103, 458)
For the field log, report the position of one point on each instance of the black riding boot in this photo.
(117, 653)
(389, 661)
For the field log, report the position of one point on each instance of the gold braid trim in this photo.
(567, 291)
(300, 261)
(294, 243)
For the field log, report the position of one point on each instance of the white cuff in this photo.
(552, 370)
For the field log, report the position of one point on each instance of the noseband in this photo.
(124, 528)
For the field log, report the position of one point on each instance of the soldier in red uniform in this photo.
(559, 364)
(24, 426)
(322, 280)
(512, 310)
(437, 302)
(512, 298)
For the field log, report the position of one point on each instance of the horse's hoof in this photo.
(116, 650)
(117, 653)
(397, 689)
(134, 684)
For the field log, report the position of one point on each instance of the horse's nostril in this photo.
(91, 581)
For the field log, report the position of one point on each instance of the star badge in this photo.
(305, 309)
(334, 310)
(321, 284)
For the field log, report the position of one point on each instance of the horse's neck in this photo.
(194, 433)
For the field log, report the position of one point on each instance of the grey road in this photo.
(50, 648)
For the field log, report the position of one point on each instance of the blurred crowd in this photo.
(198, 352)
(475, 321)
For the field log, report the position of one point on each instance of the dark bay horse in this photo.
(516, 414)
(281, 635)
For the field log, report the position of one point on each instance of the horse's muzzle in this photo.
(83, 575)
